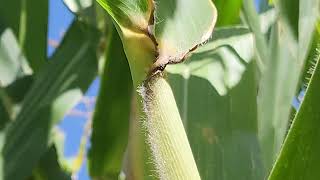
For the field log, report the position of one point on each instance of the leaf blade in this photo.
(231, 8)
(210, 88)
(178, 30)
(112, 113)
(33, 32)
(298, 157)
(55, 90)
(49, 167)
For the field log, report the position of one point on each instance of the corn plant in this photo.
(189, 89)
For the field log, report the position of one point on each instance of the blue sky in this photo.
(72, 125)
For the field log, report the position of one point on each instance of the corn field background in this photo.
(165, 89)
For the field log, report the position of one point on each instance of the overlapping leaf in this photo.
(309, 13)
(13, 66)
(4, 109)
(55, 90)
(289, 10)
(299, 158)
(49, 167)
(28, 20)
(168, 29)
(112, 113)
(33, 32)
(131, 14)
(10, 14)
(183, 24)
(229, 10)
(280, 78)
(176, 25)
(222, 76)
(253, 22)
(19, 88)
(13, 63)
(210, 89)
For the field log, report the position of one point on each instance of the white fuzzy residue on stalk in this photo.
(158, 161)
(171, 154)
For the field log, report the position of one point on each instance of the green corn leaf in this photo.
(13, 95)
(289, 11)
(112, 113)
(49, 168)
(260, 25)
(55, 91)
(142, 22)
(202, 65)
(131, 14)
(13, 64)
(182, 25)
(277, 88)
(299, 157)
(280, 79)
(28, 20)
(4, 115)
(33, 32)
(229, 12)
(132, 18)
(2, 165)
(156, 28)
(5, 108)
(305, 77)
(253, 21)
(267, 20)
(10, 13)
(309, 14)
(19, 88)
(210, 89)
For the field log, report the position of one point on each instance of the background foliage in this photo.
(234, 93)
